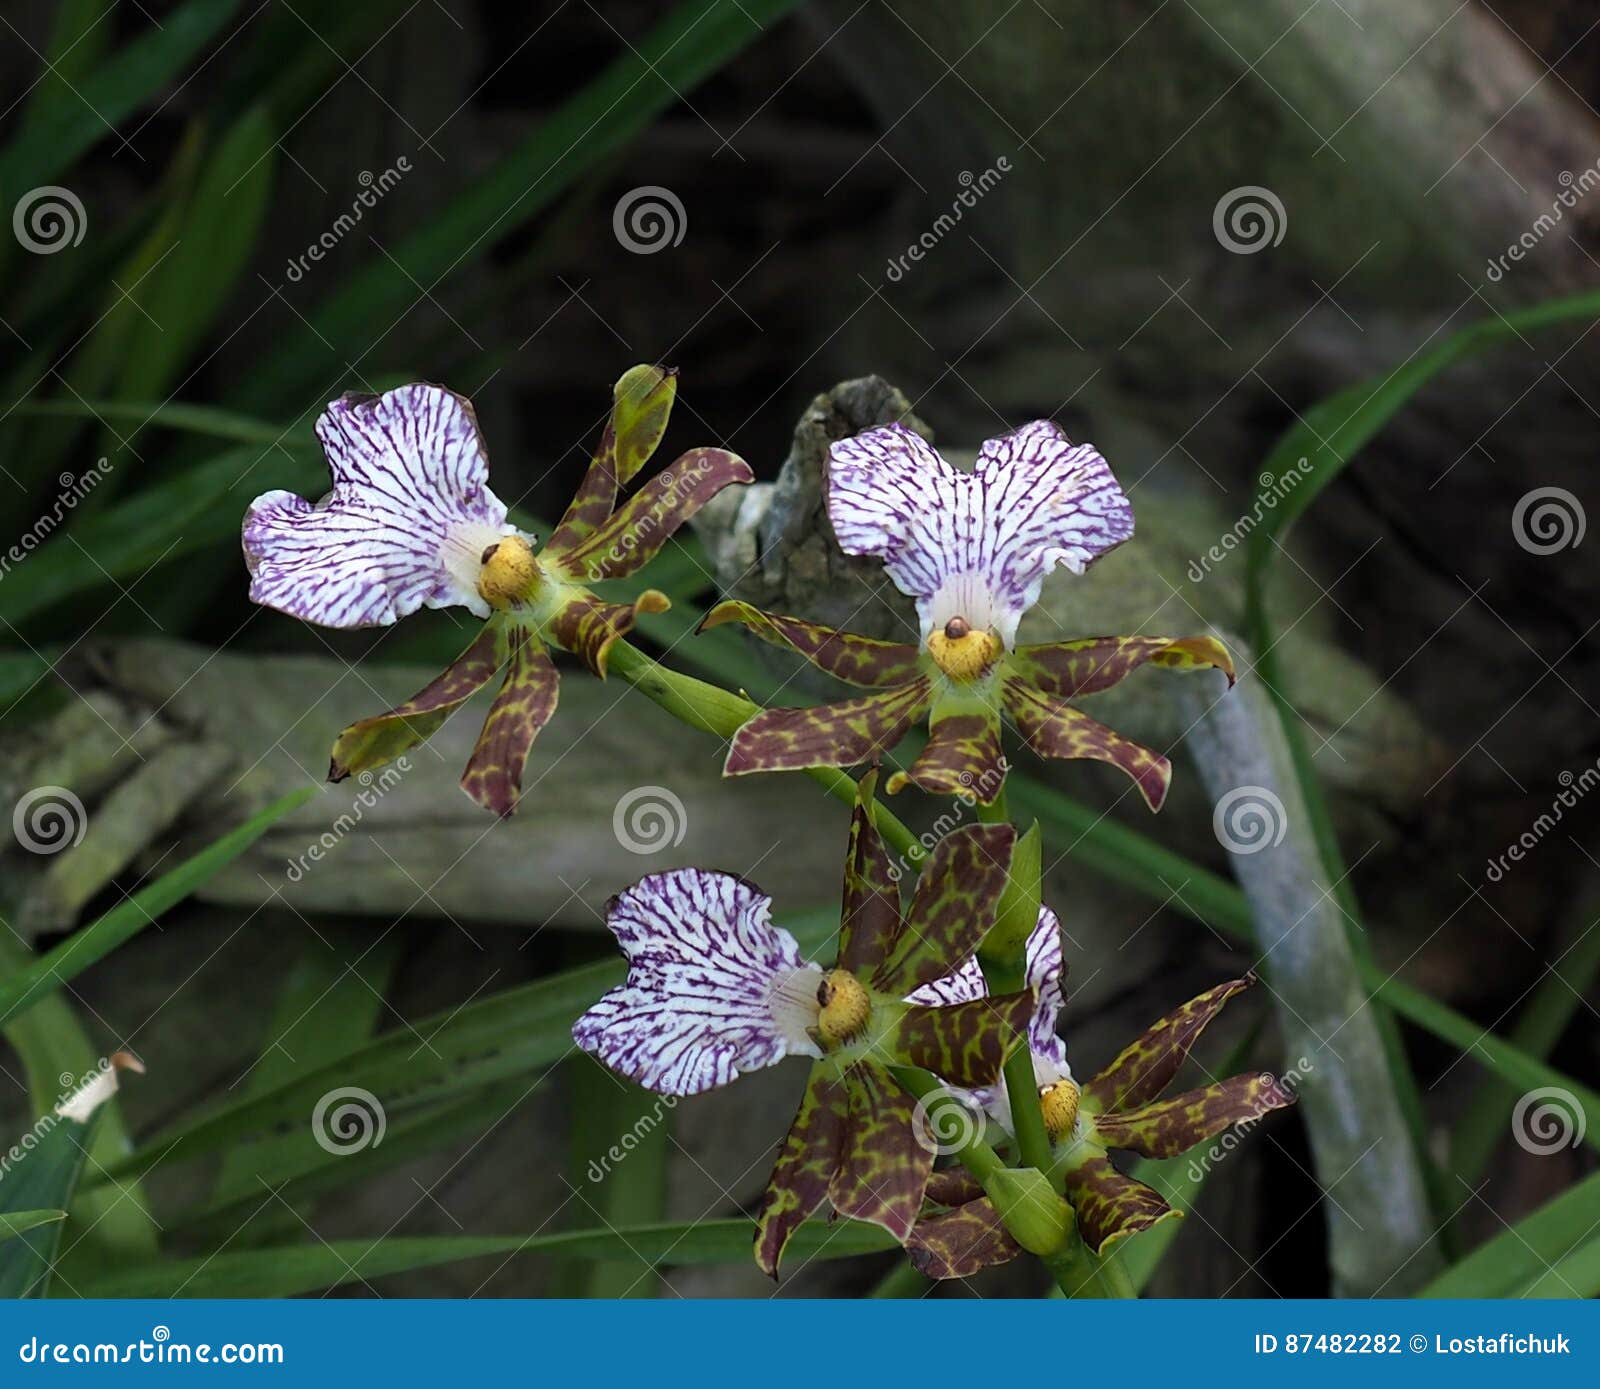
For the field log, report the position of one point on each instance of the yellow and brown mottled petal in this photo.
(587, 626)
(524, 705)
(806, 1164)
(1070, 668)
(855, 660)
(962, 1241)
(827, 735)
(1111, 1206)
(1146, 1067)
(883, 1164)
(870, 920)
(957, 895)
(1165, 1128)
(380, 739)
(962, 757)
(953, 1186)
(1055, 729)
(634, 535)
(641, 401)
(963, 1044)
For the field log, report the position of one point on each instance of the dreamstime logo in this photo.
(649, 219)
(1249, 219)
(49, 219)
(1548, 519)
(1547, 1120)
(1273, 490)
(348, 1120)
(973, 187)
(971, 791)
(680, 479)
(374, 787)
(73, 491)
(944, 1122)
(601, 1167)
(1573, 789)
(1573, 191)
(649, 819)
(1271, 1088)
(1249, 819)
(49, 819)
(373, 188)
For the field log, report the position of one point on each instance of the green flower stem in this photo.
(1070, 1266)
(995, 813)
(1114, 1276)
(1027, 1118)
(714, 710)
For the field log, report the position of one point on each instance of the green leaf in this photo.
(295, 1269)
(326, 1006)
(1538, 1028)
(1522, 1255)
(23, 989)
(124, 83)
(518, 1032)
(621, 1143)
(43, 1167)
(14, 1223)
(115, 1222)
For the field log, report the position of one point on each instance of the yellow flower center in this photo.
(962, 652)
(1059, 1104)
(510, 573)
(845, 1007)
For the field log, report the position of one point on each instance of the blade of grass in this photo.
(326, 1006)
(1540, 1026)
(20, 1222)
(43, 1178)
(615, 1123)
(296, 1269)
(121, 85)
(114, 1221)
(1524, 1253)
(1300, 466)
(518, 1032)
(26, 987)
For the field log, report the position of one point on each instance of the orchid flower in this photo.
(1119, 1108)
(973, 550)
(411, 523)
(715, 990)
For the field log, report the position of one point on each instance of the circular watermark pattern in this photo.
(1249, 819)
(348, 1120)
(1249, 219)
(649, 819)
(1547, 1120)
(160, 1333)
(49, 219)
(945, 1121)
(649, 219)
(49, 819)
(1548, 519)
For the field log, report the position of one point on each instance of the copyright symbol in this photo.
(1419, 1343)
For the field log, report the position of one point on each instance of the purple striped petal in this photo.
(975, 545)
(404, 527)
(714, 989)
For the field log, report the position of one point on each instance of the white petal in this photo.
(714, 989)
(404, 527)
(976, 545)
